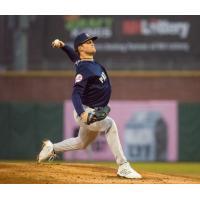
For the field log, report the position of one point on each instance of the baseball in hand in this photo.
(57, 43)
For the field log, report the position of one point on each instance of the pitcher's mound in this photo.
(30, 172)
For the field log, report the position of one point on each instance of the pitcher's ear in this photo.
(80, 48)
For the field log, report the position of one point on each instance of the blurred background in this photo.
(154, 67)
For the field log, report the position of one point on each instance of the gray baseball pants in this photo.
(88, 133)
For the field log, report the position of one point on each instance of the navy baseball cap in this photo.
(82, 38)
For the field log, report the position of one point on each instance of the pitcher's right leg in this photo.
(85, 137)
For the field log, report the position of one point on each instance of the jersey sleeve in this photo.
(80, 84)
(71, 53)
(78, 90)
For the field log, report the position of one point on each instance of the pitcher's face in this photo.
(88, 47)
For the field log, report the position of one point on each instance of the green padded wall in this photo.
(189, 132)
(24, 125)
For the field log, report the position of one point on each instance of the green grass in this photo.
(178, 168)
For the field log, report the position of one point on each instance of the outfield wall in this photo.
(24, 125)
(183, 86)
(32, 107)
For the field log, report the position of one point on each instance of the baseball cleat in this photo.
(125, 170)
(46, 152)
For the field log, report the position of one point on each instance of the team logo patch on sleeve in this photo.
(78, 78)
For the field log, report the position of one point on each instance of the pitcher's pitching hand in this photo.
(57, 43)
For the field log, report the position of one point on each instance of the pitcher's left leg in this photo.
(112, 136)
(113, 140)
(109, 127)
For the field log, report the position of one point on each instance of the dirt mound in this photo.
(30, 172)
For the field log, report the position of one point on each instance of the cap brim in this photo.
(90, 38)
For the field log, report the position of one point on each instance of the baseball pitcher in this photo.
(90, 97)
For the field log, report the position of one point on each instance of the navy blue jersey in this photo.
(92, 85)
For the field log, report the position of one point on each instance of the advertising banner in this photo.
(137, 33)
(147, 130)
(124, 42)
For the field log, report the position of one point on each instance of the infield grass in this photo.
(190, 169)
